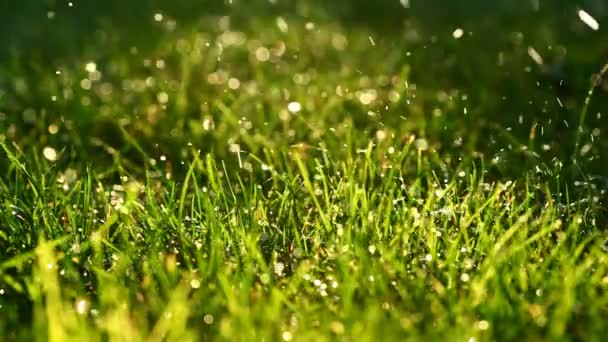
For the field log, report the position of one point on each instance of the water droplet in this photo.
(458, 33)
(589, 20)
(262, 54)
(536, 57)
(208, 123)
(90, 67)
(195, 283)
(234, 83)
(82, 306)
(208, 319)
(162, 97)
(422, 144)
(282, 25)
(50, 153)
(294, 107)
(372, 249)
(287, 336)
(53, 129)
(265, 278)
(483, 325)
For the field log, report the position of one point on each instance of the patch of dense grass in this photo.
(297, 176)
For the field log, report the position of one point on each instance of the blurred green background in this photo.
(491, 66)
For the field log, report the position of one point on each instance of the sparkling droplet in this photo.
(208, 319)
(49, 153)
(458, 33)
(589, 20)
(294, 107)
(90, 67)
(82, 306)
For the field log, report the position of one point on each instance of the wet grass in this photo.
(303, 176)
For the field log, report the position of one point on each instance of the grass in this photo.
(302, 178)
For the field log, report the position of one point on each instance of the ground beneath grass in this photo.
(311, 172)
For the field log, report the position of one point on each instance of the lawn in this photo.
(306, 171)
